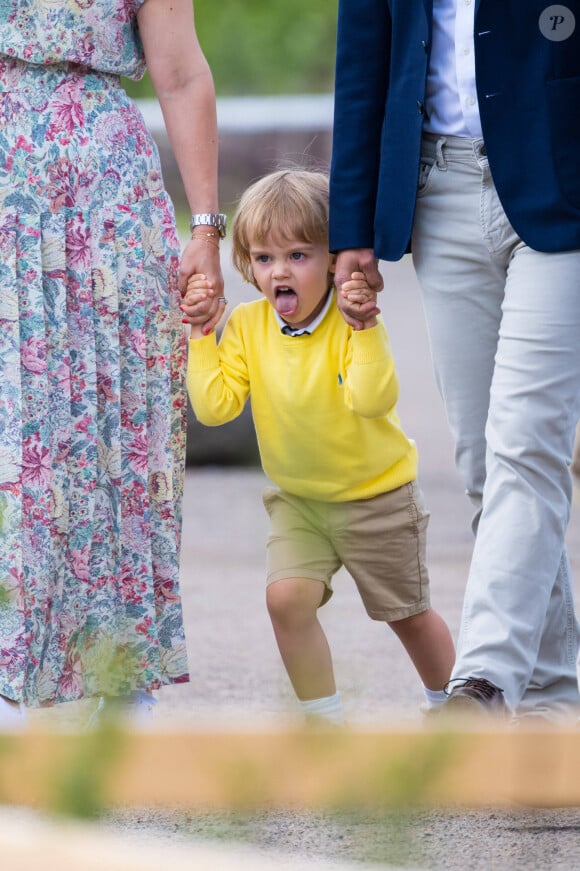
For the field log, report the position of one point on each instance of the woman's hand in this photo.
(201, 256)
(201, 305)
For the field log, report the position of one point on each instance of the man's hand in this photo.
(357, 260)
(357, 294)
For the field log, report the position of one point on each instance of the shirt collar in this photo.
(305, 331)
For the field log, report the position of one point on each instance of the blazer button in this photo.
(420, 107)
(425, 45)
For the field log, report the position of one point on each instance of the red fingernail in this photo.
(206, 331)
(184, 320)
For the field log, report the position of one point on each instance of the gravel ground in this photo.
(482, 840)
(237, 678)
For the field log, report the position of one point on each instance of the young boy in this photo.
(323, 403)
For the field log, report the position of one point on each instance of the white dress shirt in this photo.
(451, 99)
(304, 331)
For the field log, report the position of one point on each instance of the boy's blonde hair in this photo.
(291, 203)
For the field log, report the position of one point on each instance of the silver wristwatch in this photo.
(210, 219)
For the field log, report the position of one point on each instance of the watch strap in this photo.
(210, 219)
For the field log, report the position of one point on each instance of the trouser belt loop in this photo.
(441, 162)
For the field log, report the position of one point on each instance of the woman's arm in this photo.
(184, 86)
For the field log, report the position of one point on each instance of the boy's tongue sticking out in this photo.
(286, 302)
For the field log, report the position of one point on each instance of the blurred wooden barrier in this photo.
(340, 770)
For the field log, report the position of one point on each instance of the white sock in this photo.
(435, 698)
(329, 708)
(12, 716)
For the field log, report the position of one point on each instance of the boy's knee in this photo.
(293, 600)
(410, 624)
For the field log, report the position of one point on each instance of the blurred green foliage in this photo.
(256, 47)
(79, 788)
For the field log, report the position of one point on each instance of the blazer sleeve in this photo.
(361, 83)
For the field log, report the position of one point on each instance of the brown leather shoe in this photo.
(474, 695)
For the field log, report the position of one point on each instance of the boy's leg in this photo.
(382, 543)
(427, 640)
(293, 607)
(301, 562)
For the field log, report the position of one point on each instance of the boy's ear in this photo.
(332, 263)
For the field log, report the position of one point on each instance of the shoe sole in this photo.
(464, 705)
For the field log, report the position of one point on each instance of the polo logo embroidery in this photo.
(557, 23)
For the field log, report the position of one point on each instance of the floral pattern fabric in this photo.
(92, 352)
(98, 34)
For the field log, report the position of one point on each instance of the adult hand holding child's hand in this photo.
(200, 306)
(359, 297)
(362, 262)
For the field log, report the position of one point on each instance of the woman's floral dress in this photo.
(92, 406)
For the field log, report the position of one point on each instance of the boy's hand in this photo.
(359, 260)
(199, 305)
(357, 294)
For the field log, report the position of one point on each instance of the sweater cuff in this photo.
(203, 353)
(370, 346)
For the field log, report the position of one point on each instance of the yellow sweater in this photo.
(323, 405)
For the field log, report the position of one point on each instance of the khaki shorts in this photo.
(380, 541)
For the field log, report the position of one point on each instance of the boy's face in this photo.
(293, 276)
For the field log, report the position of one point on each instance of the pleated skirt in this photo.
(92, 402)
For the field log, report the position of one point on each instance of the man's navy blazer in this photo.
(527, 62)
